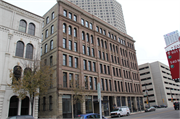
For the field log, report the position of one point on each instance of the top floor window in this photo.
(52, 16)
(82, 22)
(65, 13)
(90, 25)
(22, 26)
(87, 24)
(100, 30)
(97, 28)
(70, 15)
(47, 20)
(31, 29)
(104, 32)
(109, 34)
(75, 18)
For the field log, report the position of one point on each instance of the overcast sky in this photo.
(146, 21)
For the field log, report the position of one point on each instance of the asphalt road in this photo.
(160, 113)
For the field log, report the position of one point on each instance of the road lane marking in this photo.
(152, 114)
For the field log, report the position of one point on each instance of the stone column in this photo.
(135, 103)
(83, 106)
(126, 100)
(60, 105)
(115, 100)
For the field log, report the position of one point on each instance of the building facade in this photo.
(20, 40)
(156, 79)
(171, 38)
(85, 50)
(108, 10)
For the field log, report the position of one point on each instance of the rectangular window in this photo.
(99, 54)
(112, 58)
(115, 85)
(95, 83)
(98, 42)
(105, 69)
(88, 50)
(105, 45)
(84, 49)
(64, 79)
(101, 71)
(64, 43)
(113, 71)
(75, 18)
(100, 30)
(115, 59)
(84, 63)
(64, 60)
(86, 82)
(70, 45)
(102, 45)
(92, 52)
(87, 24)
(103, 56)
(107, 56)
(70, 80)
(108, 70)
(119, 72)
(77, 80)
(91, 83)
(75, 47)
(110, 85)
(102, 84)
(106, 84)
(118, 59)
(94, 66)
(97, 28)
(91, 27)
(89, 65)
(45, 49)
(70, 15)
(65, 13)
(104, 32)
(82, 22)
(70, 61)
(76, 62)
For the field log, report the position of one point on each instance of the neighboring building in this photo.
(156, 78)
(80, 46)
(20, 41)
(108, 10)
(171, 37)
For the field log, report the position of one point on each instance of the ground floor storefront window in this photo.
(67, 109)
(106, 105)
(89, 104)
(141, 103)
(118, 101)
(129, 103)
(138, 106)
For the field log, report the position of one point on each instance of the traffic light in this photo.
(176, 80)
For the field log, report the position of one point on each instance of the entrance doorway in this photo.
(13, 108)
(111, 103)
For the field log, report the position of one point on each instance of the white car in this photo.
(120, 111)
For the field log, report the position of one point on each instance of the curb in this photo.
(108, 117)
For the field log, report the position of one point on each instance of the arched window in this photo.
(25, 106)
(47, 20)
(17, 73)
(27, 71)
(75, 32)
(51, 44)
(22, 26)
(29, 51)
(69, 30)
(87, 37)
(50, 103)
(31, 30)
(52, 16)
(92, 39)
(64, 28)
(83, 35)
(13, 108)
(52, 29)
(46, 35)
(20, 49)
(51, 60)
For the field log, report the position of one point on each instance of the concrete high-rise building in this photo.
(171, 37)
(20, 42)
(108, 10)
(84, 50)
(156, 79)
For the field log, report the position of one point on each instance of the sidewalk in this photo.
(108, 117)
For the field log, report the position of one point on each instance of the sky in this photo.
(146, 21)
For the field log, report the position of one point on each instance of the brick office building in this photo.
(79, 44)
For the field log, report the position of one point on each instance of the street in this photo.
(160, 113)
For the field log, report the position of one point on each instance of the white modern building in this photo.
(156, 79)
(171, 37)
(20, 41)
(108, 10)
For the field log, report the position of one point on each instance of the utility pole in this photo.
(99, 99)
(147, 95)
(171, 96)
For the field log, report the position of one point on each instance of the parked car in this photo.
(90, 115)
(21, 117)
(156, 106)
(150, 109)
(120, 111)
(163, 106)
(176, 105)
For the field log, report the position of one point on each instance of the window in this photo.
(77, 80)
(102, 43)
(70, 80)
(91, 83)
(75, 32)
(92, 52)
(84, 49)
(64, 79)
(75, 18)
(45, 48)
(115, 85)
(51, 44)
(52, 29)
(103, 56)
(64, 60)
(88, 50)
(70, 61)
(70, 15)
(95, 83)
(29, 51)
(42, 37)
(51, 60)
(97, 28)
(46, 33)
(105, 69)
(98, 41)
(105, 44)
(64, 43)
(94, 66)
(114, 71)
(110, 46)
(104, 32)
(44, 103)
(82, 22)
(47, 20)
(22, 26)
(83, 36)
(101, 70)
(100, 30)
(91, 27)
(91, 39)
(50, 103)
(52, 16)
(89, 65)
(86, 82)
(110, 85)
(102, 84)
(76, 62)
(87, 24)
(84, 63)
(31, 29)
(17, 72)
(65, 13)
(108, 70)
(70, 45)
(99, 54)
(87, 37)
(69, 30)
(117, 71)
(109, 34)
(75, 47)
(107, 56)
(64, 28)
(106, 84)
(112, 58)
(20, 49)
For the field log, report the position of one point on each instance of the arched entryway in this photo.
(13, 108)
(25, 106)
